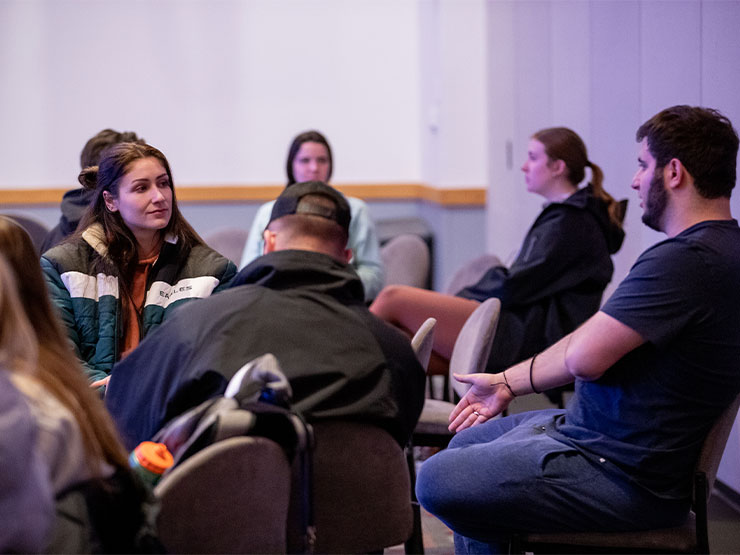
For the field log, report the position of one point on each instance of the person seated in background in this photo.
(558, 277)
(133, 260)
(310, 159)
(75, 202)
(55, 434)
(303, 303)
(653, 370)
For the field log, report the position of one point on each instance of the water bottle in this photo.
(150, 460)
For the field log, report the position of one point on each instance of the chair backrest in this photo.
(361, 485)
(406, 261)
(36, 230)
(471, 272)
(473, 344)
(423, 341)
(714, 444)
(228, 241)
(231, 497)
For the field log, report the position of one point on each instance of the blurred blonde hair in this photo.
(18, 352)
(32, 340)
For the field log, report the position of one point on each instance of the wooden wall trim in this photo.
(31, 196)
(468, 196)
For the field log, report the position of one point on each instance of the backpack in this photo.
(106, 515)
(257, 402)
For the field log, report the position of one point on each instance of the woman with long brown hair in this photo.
(132, 261)
(559, 275)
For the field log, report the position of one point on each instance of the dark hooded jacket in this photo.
(305, 308)
(557, 280)
(74, 205)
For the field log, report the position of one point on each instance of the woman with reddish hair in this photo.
(559, 275)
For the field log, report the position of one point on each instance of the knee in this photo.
(388, 297)
(433, 483)
(426, 479)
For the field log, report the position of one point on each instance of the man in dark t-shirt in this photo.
(654, 369)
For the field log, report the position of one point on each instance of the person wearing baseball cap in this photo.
(301, 301)
(310, 158)
(310, 216)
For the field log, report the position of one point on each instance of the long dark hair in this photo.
(123, 255)
(565, 144)
(114, 165)
(306, 137)
(55, 366)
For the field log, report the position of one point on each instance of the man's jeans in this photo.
(508, 475)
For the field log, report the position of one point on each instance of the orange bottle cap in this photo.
(155, 457)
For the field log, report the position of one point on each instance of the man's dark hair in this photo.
(702, 139)
(90, 155)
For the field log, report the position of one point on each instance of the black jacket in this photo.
(305, 308)
(557, 280)
(74, 204)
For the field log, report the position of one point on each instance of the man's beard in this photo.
(656, 202)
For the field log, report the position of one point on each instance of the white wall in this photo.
(453, 133)
(454, 98)
(221, 87)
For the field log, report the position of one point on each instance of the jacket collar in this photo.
(95, 237)
(307, 270)
(584, 199)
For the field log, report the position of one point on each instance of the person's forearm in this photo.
(548, 370)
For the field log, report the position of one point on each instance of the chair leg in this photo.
(701, 494)
(415, 544)
(515, 544)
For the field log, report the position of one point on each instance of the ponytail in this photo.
(614, 208)
(564, 144)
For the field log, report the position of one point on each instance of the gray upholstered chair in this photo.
(423, 341)
(231, 497)
(228, 241)
(691, 537)
(469, 355)
(360, 489)
(36, 230)
(470, 272)
(406, 261)
(422, 344)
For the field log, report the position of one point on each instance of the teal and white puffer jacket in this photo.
(90, 305)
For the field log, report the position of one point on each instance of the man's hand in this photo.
(487, 397)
